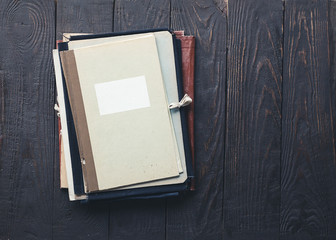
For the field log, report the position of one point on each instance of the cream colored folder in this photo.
(166, 56)
(131, 141)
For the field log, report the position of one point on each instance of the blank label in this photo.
(122, 95)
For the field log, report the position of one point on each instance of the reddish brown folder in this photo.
(188, 67)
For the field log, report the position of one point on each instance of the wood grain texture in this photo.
(199, 214)
(139, 219)
(141, 14)
(27, 119)
(75, 220)
(332, 44)
(84, 16)
(253, 130)
(308, 167)
(265, 147)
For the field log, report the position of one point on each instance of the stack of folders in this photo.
(125, 114)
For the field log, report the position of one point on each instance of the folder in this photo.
(140, 190)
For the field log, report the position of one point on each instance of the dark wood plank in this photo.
(27, 119)
(84, 16)
(332, 44)
(139, 219)
(253, 130)
(308, 167)
(199, 215)
(75, 220)
(141, 14)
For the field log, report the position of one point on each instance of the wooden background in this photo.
(265, 104)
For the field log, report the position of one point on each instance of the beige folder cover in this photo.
(133, 145)
(166, 56)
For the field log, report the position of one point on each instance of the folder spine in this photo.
(77, 107)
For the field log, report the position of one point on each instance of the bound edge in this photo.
(76, 102)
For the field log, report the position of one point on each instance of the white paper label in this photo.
(122, 95)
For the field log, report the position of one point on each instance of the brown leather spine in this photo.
(188, 67)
